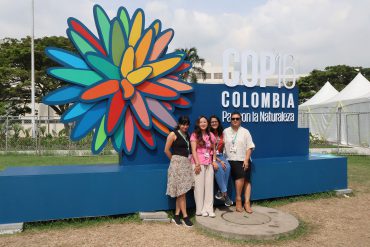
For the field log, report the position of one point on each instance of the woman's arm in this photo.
(170, 139)
(248, 154)
(214, 158)
(195, 156)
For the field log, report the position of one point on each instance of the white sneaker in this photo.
(205, 214)
(212, 214)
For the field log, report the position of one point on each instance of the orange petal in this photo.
(156, 90)
(182, 102)
(101, 90)
(128, 89)
(160, 126)
(143, 48)
(167, 105)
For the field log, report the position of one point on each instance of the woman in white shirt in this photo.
(238, 149)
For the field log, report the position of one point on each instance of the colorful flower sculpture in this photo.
(124, 84)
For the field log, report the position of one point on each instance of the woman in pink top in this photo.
(203, 161)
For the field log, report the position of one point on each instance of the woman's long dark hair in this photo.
(219, 129)
(198, 131)
(182, 120)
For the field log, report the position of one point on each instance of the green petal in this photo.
(118, 136)
(103, 25)
(103, 66)
(101, 137)
(118, 43)
(76, 76)
(125, 20)
(81, 44)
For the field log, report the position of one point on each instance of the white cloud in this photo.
(318, 32)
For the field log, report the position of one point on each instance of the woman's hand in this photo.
(223, 165)
(215, 166)
(197, 169)
(246, 165)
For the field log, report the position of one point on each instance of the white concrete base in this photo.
(11, 228)
(343, 192)
(159, 216)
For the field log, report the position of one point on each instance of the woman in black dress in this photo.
(180, 174)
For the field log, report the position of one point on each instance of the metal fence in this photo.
(50, 135)
(342, 128)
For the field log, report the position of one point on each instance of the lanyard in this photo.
(218, 139)
(234, 139)
(183, 137)
(208, 146)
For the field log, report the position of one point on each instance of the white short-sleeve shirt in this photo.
(237, 143)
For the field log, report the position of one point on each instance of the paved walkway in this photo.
(344, 151)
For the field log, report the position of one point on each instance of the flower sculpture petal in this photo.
(123, 83)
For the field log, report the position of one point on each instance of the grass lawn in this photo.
(359, 173)
(34, 160)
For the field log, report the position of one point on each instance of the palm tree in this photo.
(197, 62)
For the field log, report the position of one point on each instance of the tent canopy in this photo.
(325, 93)
(357, 88)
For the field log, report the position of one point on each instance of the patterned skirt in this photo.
(180, 176)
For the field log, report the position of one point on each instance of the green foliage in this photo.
(17, 129)
(314, 139)
(42, 130)
(197, 62)
(339, 76)
(15, 73)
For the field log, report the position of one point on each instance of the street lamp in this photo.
(33, 71)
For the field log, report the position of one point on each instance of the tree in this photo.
(15, 73)
(339, 76)
(198, 63)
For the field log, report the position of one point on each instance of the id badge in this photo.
(232, 149)
(206, 155)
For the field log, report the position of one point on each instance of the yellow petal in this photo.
(139, 75)
(127, 62)
(163, 66)
(136, 29)
(156, 27)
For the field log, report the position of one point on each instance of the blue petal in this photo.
(63, 95)
(76, 111)
(89, 121)
(66, 58)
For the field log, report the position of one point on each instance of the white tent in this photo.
(357, 88)
(308, 117)
(344, 115)
(325, 93)
(356, 121)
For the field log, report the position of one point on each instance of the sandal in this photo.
(238, 205)
(247, 207)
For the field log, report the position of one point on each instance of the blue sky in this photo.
(318, 33)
